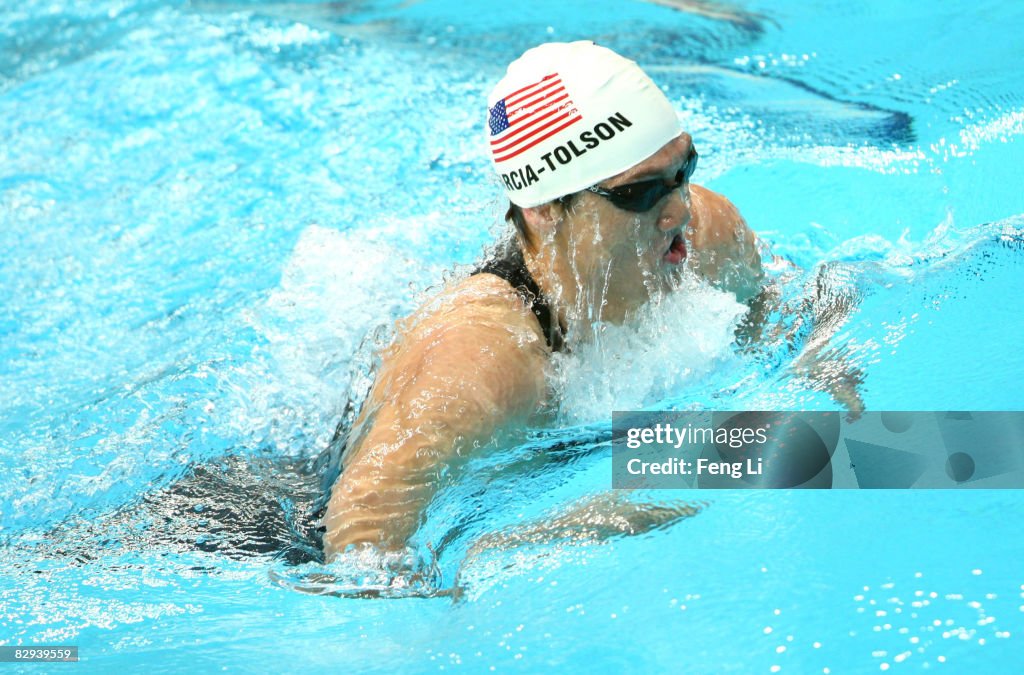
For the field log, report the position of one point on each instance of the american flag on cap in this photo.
(530, 115)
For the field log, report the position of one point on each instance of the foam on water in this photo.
(673, 341)
(320, 330)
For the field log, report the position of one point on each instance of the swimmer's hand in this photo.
(833, 373)
(367, 572)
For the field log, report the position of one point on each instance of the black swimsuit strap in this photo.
(511, 266)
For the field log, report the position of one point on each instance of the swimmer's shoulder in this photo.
(713, 214)
(474, 345)
(723, 248)
(483, 305)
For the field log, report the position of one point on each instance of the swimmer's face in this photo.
(633, 254)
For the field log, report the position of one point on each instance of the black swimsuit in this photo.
(509, 265)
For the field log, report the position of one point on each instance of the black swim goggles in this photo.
(643, 195)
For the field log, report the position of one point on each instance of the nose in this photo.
(676, 212)
(684, 140)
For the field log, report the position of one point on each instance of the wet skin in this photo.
(468, 368)
(625, 257)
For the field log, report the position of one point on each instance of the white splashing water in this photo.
(674, 341)
(336, 289)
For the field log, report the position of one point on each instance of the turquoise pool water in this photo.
(210, 212)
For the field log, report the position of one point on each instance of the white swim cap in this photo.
(568, 115)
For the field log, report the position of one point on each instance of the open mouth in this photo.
(676, 251)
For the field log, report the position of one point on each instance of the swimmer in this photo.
(597, 169)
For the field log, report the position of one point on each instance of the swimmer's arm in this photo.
(827, 308)
(723, 249)
(594, 519)
(459, 377)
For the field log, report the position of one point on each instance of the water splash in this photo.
(674, 340)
